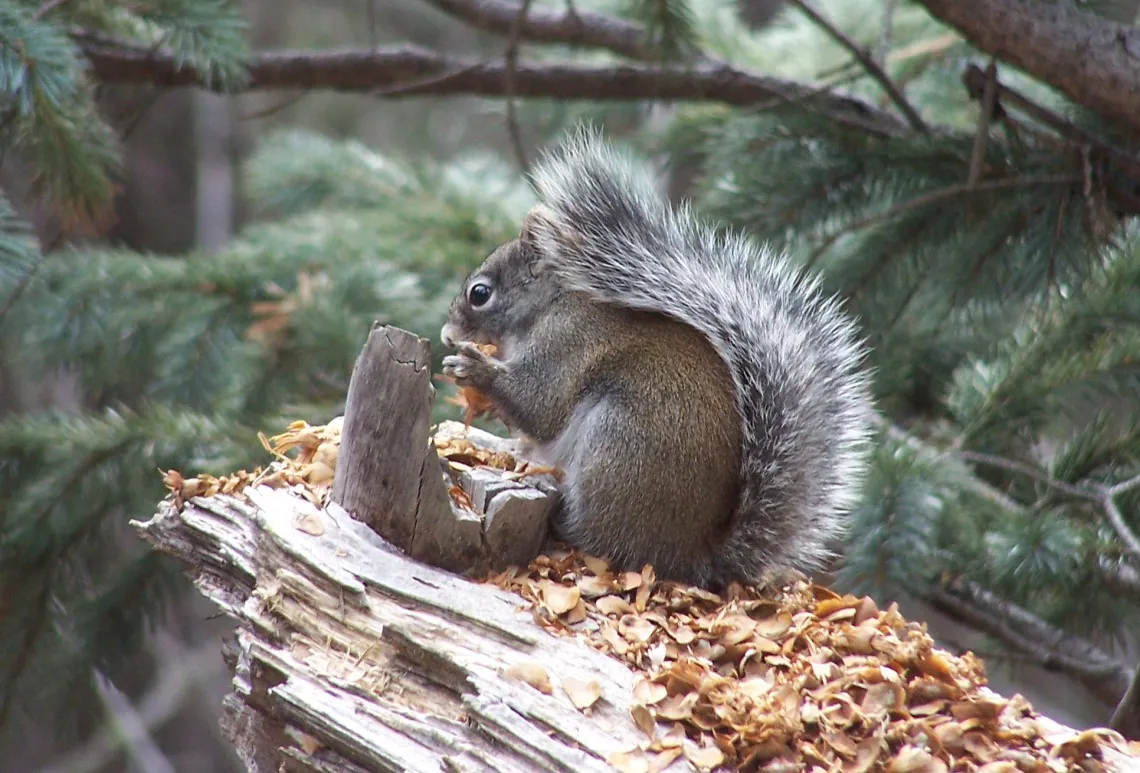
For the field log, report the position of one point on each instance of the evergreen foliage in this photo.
(669, 27)
(1004, 319)
(188, 358)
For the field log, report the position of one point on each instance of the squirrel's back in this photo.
(794, 356)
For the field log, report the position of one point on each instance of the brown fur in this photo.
(638, 409)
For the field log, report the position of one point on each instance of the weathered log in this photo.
(353, 657)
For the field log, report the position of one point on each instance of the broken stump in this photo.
(389, 476)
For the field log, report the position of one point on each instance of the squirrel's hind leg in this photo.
(614, 507)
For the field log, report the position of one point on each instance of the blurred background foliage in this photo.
(181, 270)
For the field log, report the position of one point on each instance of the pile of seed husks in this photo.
(790, 678)
(309, 471)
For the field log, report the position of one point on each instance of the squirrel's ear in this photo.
(542, 225)
(539, 221)
(544, 236)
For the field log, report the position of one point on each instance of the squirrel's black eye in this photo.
(479, 294)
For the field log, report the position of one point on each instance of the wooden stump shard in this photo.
(389, 476)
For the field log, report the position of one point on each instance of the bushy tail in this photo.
(795, 356)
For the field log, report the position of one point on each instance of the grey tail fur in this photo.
(795, 356)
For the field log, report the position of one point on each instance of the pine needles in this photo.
(178, 363)
(668, 26)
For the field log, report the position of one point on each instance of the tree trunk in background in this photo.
(214, 192)
(155, 211)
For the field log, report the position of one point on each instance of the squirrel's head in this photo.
(501, 299)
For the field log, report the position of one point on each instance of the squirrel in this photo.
(706, 403)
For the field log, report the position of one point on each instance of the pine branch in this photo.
(32, 631)
(211, 35)
(668, 28)
(50, 116)
(20, 257)
(1120, 578)
(869, 64)
(1093, 61)
(405, 71)
(1029, 471)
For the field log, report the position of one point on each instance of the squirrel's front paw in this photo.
(470, 367)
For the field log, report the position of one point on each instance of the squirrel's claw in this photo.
(455, 365)
(470, 367)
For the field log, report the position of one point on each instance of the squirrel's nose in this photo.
(447, 335)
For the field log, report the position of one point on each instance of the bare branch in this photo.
(1029, 471)
(141, 748)
(175, 679)
(404, 71)
(1118, 577)
(885, 33)
(47, 7)
(1034, 639)
(1116, 520)
(1093, 61)
(511, 57)
(1124, 486)
(582, 29)
(869, 64)
(982, 134)
(371, 7)
(1126, 718)
(975, 80)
